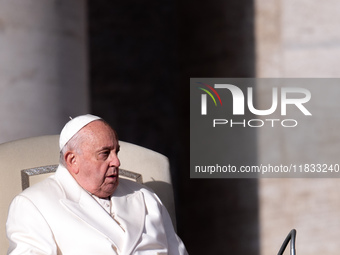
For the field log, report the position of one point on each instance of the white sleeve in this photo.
(27, 230)
(175, 244)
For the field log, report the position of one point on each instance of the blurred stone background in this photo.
(130, 62)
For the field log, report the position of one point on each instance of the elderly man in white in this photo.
(82, 210)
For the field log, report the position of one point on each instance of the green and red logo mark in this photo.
(204, 97)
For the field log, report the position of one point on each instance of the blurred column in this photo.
(43, 66)
(300, 39)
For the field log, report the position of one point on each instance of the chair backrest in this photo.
(44, 151)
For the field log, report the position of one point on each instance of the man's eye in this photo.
(104, 154)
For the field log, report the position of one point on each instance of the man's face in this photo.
(98, 163)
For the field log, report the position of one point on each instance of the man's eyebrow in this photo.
(109, 148)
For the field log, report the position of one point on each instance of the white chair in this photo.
(27, 161)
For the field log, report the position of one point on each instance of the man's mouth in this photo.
(112, 177)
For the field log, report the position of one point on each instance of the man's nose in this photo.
(114, 161)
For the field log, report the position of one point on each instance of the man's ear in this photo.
(71, 162)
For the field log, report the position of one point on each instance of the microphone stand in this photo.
(291, 236)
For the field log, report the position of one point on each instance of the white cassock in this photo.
(57, 216)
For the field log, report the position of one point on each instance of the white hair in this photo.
(72, 145)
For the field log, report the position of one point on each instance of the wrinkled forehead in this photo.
(99, 133)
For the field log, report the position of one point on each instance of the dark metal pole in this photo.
(291, 236)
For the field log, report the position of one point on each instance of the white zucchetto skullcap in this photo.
(73, 126)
